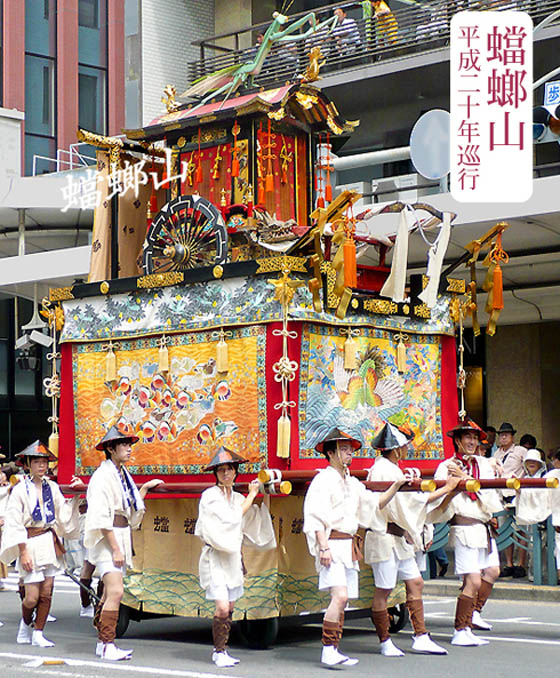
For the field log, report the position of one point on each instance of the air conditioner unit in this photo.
(360, 187)
(406, 188)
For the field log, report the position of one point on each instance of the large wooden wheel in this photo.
(187, 233)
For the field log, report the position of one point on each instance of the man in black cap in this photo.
(391, 552)
(225, 519)
(470, 514)
(115, 506)
(511, 457)
(336, 505)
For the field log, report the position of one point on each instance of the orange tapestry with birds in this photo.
(377, 388)
(180, 414)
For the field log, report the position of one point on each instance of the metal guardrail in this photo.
(421, 27)
(538, 540)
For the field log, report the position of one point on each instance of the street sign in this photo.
(552, 93)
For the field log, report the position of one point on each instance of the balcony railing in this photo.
(419, 29)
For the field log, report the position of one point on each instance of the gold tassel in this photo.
(53, 443)
(163, 356)
(110, 365)
(284, 437)
(350, 349)
(222, 363)
(401, 353)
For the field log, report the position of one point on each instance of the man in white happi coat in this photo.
(391, 552)
(226, 520)
(37, 516)
(335, 506)
(471, 515)
(114, 507)
(535, 505)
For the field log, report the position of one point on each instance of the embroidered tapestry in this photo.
(180, 416)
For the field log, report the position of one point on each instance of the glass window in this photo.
(92, 37)
(3, 367)
(88, 13)
(92, 101)
(39, 146)
(40, 27)
(25, 378)
(39, 95)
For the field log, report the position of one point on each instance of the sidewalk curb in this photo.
(501, 591)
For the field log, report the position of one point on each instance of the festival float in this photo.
(228, 303)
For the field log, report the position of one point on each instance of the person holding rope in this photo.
(37, 517)
(227, 519)
(392, 551)
(335, 506)
(114, 507)
(472, 524)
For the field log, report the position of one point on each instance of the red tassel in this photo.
(320, 201)
(153, 203)
(198, 173)
(164, 180)
(235, 166)
(261, 199)
(328, 193)
(269, 183)
(350, 271)
(497, 289)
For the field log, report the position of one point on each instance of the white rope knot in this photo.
(52, 386)
(285, 369)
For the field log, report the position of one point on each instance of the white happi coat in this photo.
(19, 517)
(223, 528)
(336, 503)
(535, 505)
(106, 499)
(487, 503)
(407, 509)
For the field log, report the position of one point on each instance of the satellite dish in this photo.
(429, 144)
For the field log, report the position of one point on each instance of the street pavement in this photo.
(525, 642)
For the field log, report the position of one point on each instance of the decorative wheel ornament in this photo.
(187, 233)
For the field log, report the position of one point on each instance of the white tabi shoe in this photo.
(425, 645)
(331, 656)
(479, 623)
(348, 661)
(51, 618)
(227, 654)
(110, 652)
(39, 640)
(477, 640)
(24, 633)
(463, 638)
(87, 611)
(389, 649)
(98, 648)
(223, 660)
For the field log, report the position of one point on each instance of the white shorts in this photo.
(105, 566)
(223, 592)
(337, 574)
(386, 572)
(37, 576)
(421, 560)
(470, 560)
